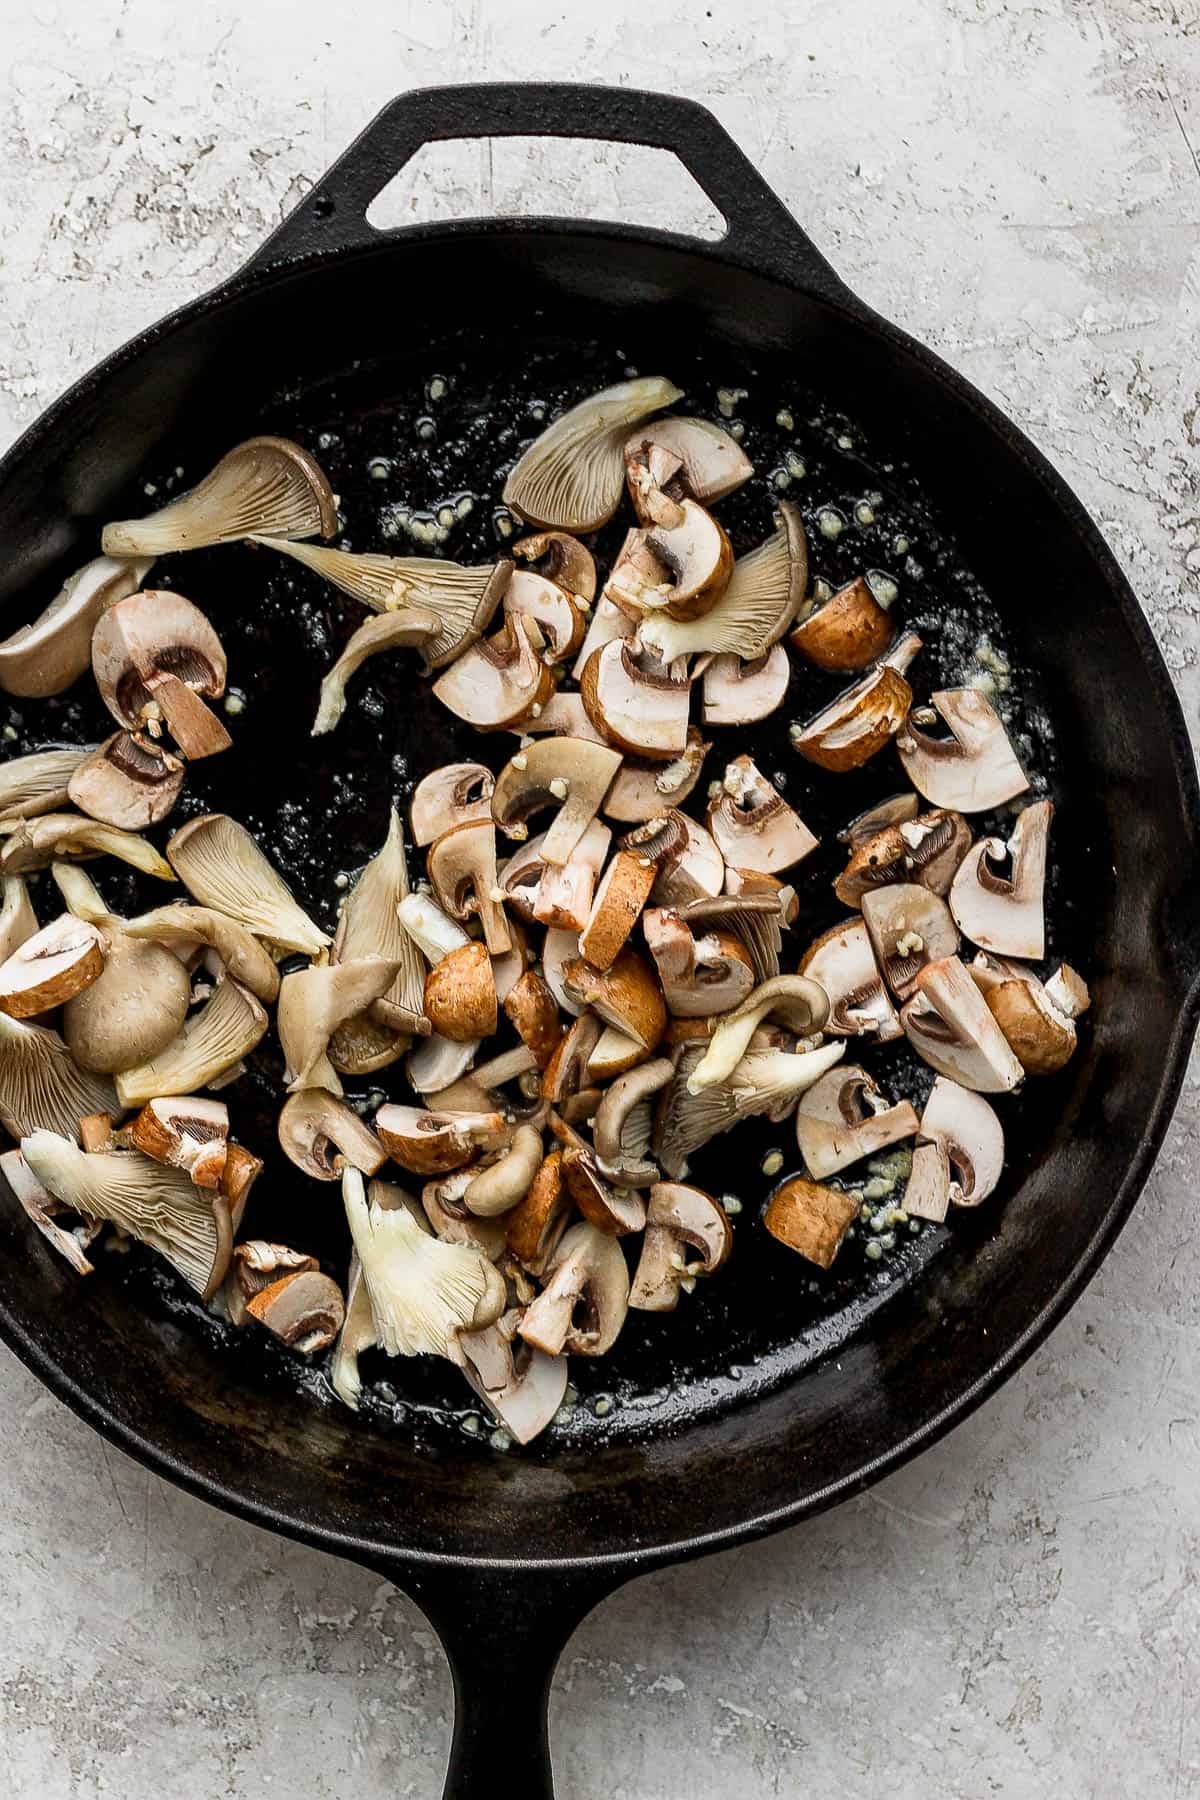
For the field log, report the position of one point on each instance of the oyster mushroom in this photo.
(266, 486)
(155, 656)
(51, 967)
(854, 727)
(699, 976)
(909, 927)
(571, 773)
(1038, 1021)
(134, 1009)
(316, 1002)
(810, 1219)
(40, 783)
(624, 1122)
(564, 894)
(623, 891)
(948, 1024)
(615, 1210)
(850, 630)
(533, 1010)
(842, 962)
(682, 459)
(500, 1185)
(221, 866)
(182, 928)
(965, 1127)
(794, 1000)
(636, 702)
(41, 1085)
(535, 1225)
(559, 617)
(433, 1143)
(522, 1388)
(422, 1291)
(496, 683)
(161, 1207)
(972, 770)
(571, 477)
(128, 781)
(386, 631)
(40, 1206)
(680, 566)
(755, 920)
(18, 921)
(625, 995)
(457, 794)
(844, 1117)
(460, 995)
(320, 1134)
(689, 865)
(927, 850)
(47, 656)
(462, 867)
(753, 825)
(36, 843)
(740, 693)
(583, 1304)
(763, 596)
(358, 1331)
(562, 559)
(1005, 913)
(188, 1133)
(213, 1040)
(765, 1081)
(642, 788)
(678, 1218)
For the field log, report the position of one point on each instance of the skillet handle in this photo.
(503, 1630)
(760, 231)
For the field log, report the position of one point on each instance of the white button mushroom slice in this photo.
(704, 461)
(184, 928)
(533, 1010)
(36, 843)
(305, 1311)
(433, 1143)
(847, 631)
(564, 715)
(35, 784)
(624, 1121)
(128, 781)
(521, 878)
(564, 894)
(497, 681)
(793, 1000)
(615, 1210)
(842, 962)
(41, 1085)
(155, 658)
(51, 967)
(844, 1117)
(572, 476)
(908, 927)
(221, 866)
(623, 891)
(266, 485)
(764, 1081)
(559, 949)
(811, 1219)
(320, 1134)
(607, 622)
(386, 631)
(522, 1388)
(436, 1062)
(457, 794)
(678, 1218)
(927, 851)
(972, 770)
(755, 920)
(562, 621)
(948, 1024)
(1005, 914)
(188, 1133)
(570, 773)
(499, 1185)
(636, 702)
(225, 1029)
(462, 867)
(47, 656)
(688, 862)
(895, 810)
(39, 1206)
(313, 1004)
(680, 565)
(856, 726)
(741, 693)
(927, 1195)
(764, 594)
(534, 1226)
(460, 995)
(18, 921)
(641, 789)
(753, 825)
(561, 558)
(582, 1307)
(699, 976)
(965, 1126)
(161, 1207)
(626, 995)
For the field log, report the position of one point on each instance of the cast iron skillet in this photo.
(507, 1554)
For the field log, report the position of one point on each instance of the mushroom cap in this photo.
(460, 994)
(456, 794)
(534, 1226)
(502, 1184)
(849, 631)
(707, 462)
(753, 825)
(844, 1117)
(842, 962)
(496, 682)
(132, 1011)
(51, 967)
(699, 976)
(763, 595)
(570, 773)
(1005, 914)
(908, 927)
(433, 1143)
(810, 1219)
(626, 995)
(636, 702)
(972, 770)
(128, 781)
(624, 1122)
(586, 1276)
(615, 1051)
(948, 1024)
(616, 1210)
(738, 692)
(320, 1134)
(571, 477)
(965, 1125)
(46, 656)
(927, 850)
(533, 1010)
(854, 727)
(623, 891)
(1041, 1037)
(150, 651)
(641, 788)
(266, 485)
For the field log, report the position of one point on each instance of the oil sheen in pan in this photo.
(417, 450)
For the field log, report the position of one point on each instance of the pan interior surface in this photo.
(772, 1385)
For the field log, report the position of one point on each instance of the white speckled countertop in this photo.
(1017, 1613)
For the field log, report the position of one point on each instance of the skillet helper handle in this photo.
(760, 231)
(503, 1631)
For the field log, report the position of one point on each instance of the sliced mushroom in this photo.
(893, 811)
(564, 894)
(535, 1225)
(1005, 913)
(1041, 1036)
(678, 1218)
(533, 1009)
(623, 891)
(521, 1387)
(741, 693)
(221, 866)
(189, 1133)
(40, 1206)
(764, 594)
(615, 1210)
(755, 920)
(854, 727)
(436, 1063)
(161, 1207)
(521, 878)
(624, 1123)
(40, 783)
(41, 1086)
(18, 921)
(321, 1135)
(582, 1307)
(570, 773)
(753, 825)
(442, 1200)
(810, 1219)
(226, 1028)
(571, 477)
(927, 850)
(433, 1143)
(267, 486)
(496, 683)
(681, 565)
(305, 1311)
(689, 865)
(128, 781)
(641, 789)
(972, 770)
(369, 926)
(844, 1117)
(561, 558)
(462, 867)
(842, 962)
(559, 949)
(564, 715)
(460, 995)
(850, 630)
(909, 927)
(501, 1184)
(45, 657)
(637, 702)
(794, 1000)
(36, 843)
(238, 950)
(626, 995)
(313, 1004)
(51, 967)
(682, 459)
(566, 1070)
(457, 794)
(607, 622)
(386, 631)
(154, 656)
(966, 1128)
(422, 1291)
(948, 1024)
(358, 1331)
(699, 976)
(132, 1011)
(765, 1081)
(560, 618)
(256, 1264)
(927, 1194)
(615, 1052)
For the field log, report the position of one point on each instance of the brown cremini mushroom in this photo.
(583, 1304)
(636, 702)
(433, 1143)
(305, 1311)
(810, 1219)
(456, 794)
(643, 788)
(856, 726)
(701, 975)
(189, 1133)
(842, 962)
(753, 825)
(625, 995)
(497, 681)
(156, 659)
(460, 994)
(623, 891)
(844, 1117)
(927, 850)
(462, 867)
(533, 1010)
(972, 770)
(741, 693)
(571, 774)
(948, 1024)
(561, 558)
(51, 967)
(847, 631)
(908, 927)
(320, 1134)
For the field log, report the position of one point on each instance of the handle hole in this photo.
(624, 184)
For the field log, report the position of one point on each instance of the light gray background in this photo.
(1016, 1613)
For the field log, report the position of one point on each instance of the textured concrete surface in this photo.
(1018, 1612)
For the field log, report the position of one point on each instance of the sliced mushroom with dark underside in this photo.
(965, 1126)
(562, 559)
(755, 919)
(51, 967)
(908, 927)
(846, 632)
(624, 1123)
(47, 656)
(636, 702)
(948, 1024)
(566, 1072)
(189, 1133)
(456, 794)
(442, 1200)
(701, 975)
(560, 619)
(688, 862)
(612, 1209)
(866, 825)
(266, 485)
(678, 459)
(320, 1134)
(927, 850)
(156, 660)
(764, 594)
(569, 773)
(128, 781)
(571, 477)
(1004, 913)
(679, 1218)
(741, 693)
(856, 726)
(433, 1143)
(583, 1304)
(521, 1387)
(752, 823)
(810, 1219)
(497, 682)
(844, 1117)
(971, 770)
(842, 962)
